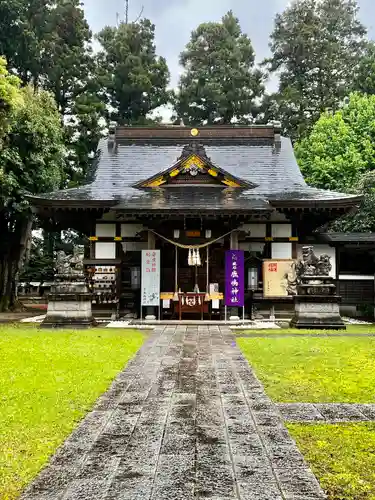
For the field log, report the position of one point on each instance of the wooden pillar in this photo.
(294, 222)
(151, 241)
(234, 240)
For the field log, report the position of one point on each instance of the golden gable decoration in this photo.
(194, 168)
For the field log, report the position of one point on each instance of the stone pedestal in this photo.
(316, 306)
(317, 312)
(69, 304)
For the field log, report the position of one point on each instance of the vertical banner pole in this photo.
(150, 280)
(208, 271)
(235, 280)
(225, 309)
(176, 270)
(243, 315)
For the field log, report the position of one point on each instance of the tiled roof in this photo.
(348, 237)
(260, 160)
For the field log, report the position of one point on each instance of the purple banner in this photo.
(234, 278)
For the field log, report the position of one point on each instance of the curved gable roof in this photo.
(268, 165)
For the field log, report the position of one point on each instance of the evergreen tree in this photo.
(316, 46)
(135, 79)
(365, 78)
(32, 159)
(219, 83)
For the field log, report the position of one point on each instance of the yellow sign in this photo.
(194, 132)
(193, 234)
(279, 278)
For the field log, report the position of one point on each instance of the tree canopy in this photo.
(339, 154)
(365, 77)
(219, 82)
(316, 47)
(9, 97)
(32, 159)
(134, 79)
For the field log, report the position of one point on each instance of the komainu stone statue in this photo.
(67, 265)
(311, 265)
(69, 303)
(62, 263)
(316, 304)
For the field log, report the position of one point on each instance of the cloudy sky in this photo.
(175, 19)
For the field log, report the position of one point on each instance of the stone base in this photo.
(69, 310)
(317, 313)
(63, 324)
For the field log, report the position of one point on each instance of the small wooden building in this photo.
(354, 254)
(211, 189)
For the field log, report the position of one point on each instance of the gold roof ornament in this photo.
(194, 132)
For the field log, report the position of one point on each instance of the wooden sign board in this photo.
(279, 278)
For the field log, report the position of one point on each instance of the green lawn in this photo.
(360, 329)
(342, 457)
(48, 381)
(325, 370)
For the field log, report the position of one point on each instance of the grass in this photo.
(48, 381)
(359, 329)
(314, 370)
(342, 457)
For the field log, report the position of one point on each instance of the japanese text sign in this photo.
(234, 278)
(150, 278)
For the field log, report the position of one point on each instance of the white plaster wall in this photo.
(105, 230)
(281, 230)
(105, 250)
(130, 230)
(281, 250)
(255, 230)
(320, 250)
(251, 246)
(134, 246)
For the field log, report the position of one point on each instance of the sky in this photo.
(175, 19)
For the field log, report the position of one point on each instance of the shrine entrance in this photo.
(192, 280)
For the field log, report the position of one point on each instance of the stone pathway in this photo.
(327, 412)
(286, 335)
(186, 419)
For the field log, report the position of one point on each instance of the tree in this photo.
(48, 43)
(339, 154)
(316, 46)
(363, 220)
(365, 78)
(70, 73)
(219, 83)
(32, 160)
(10, 98)
(135, 79)
(23, 26)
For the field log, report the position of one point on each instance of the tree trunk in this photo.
(11, 259)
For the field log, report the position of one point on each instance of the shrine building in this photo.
(193, 202)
